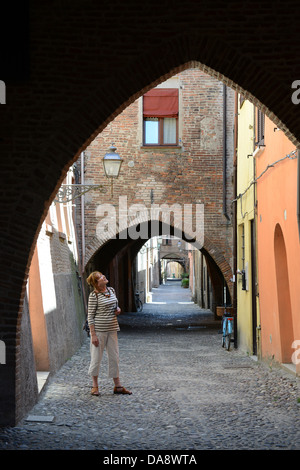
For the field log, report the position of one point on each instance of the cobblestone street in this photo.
(188, 393)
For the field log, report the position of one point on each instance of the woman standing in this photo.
(102, 319)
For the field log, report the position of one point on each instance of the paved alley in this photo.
(188, 392)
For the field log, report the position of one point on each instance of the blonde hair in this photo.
(91, 280)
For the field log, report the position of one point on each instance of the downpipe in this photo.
(225, 150)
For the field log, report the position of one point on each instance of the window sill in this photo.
(161, 147)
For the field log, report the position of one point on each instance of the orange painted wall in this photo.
(37, 316)
(279, 294)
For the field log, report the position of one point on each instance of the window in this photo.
(242, 246)
(160, 117)
(243, 267)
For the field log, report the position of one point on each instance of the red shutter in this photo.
(161, 102)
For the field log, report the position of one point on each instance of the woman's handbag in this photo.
(86, 327)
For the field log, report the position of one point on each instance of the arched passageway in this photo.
(174, 268)
(73, 86)
(117, 259)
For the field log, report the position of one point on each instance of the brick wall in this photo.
(53, 312)
(191, 173)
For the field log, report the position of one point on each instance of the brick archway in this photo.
(208, 247)
(115, 257)
(82, 74)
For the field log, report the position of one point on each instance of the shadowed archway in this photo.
(75, 86)
(116, 259)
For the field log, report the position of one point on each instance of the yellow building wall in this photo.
(245, 214)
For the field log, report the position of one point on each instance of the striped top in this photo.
(101, 311)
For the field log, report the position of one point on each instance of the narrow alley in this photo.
(188, 393)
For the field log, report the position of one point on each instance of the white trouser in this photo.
(108, 341)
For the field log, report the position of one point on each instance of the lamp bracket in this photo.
(68, 192)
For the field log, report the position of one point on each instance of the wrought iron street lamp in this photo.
(112, 164)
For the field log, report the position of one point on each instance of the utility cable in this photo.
(290, 156)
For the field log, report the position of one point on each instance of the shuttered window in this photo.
(160, 117)
(260, 128)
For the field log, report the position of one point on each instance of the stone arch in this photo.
(87, 119)
(174, 257)
(148, 227)
(76, 86)
(171, 262)
(108, 253)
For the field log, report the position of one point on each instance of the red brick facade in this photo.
(188, 174)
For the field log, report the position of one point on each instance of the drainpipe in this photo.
(254, 267)
(234, 213)
(82, 216)
(85, 299)
(224, 150)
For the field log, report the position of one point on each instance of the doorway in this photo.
(283, 294)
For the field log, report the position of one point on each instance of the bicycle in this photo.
(227, 330)
(138, 303)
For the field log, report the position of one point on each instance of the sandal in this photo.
(95, 392)
(122, 391)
